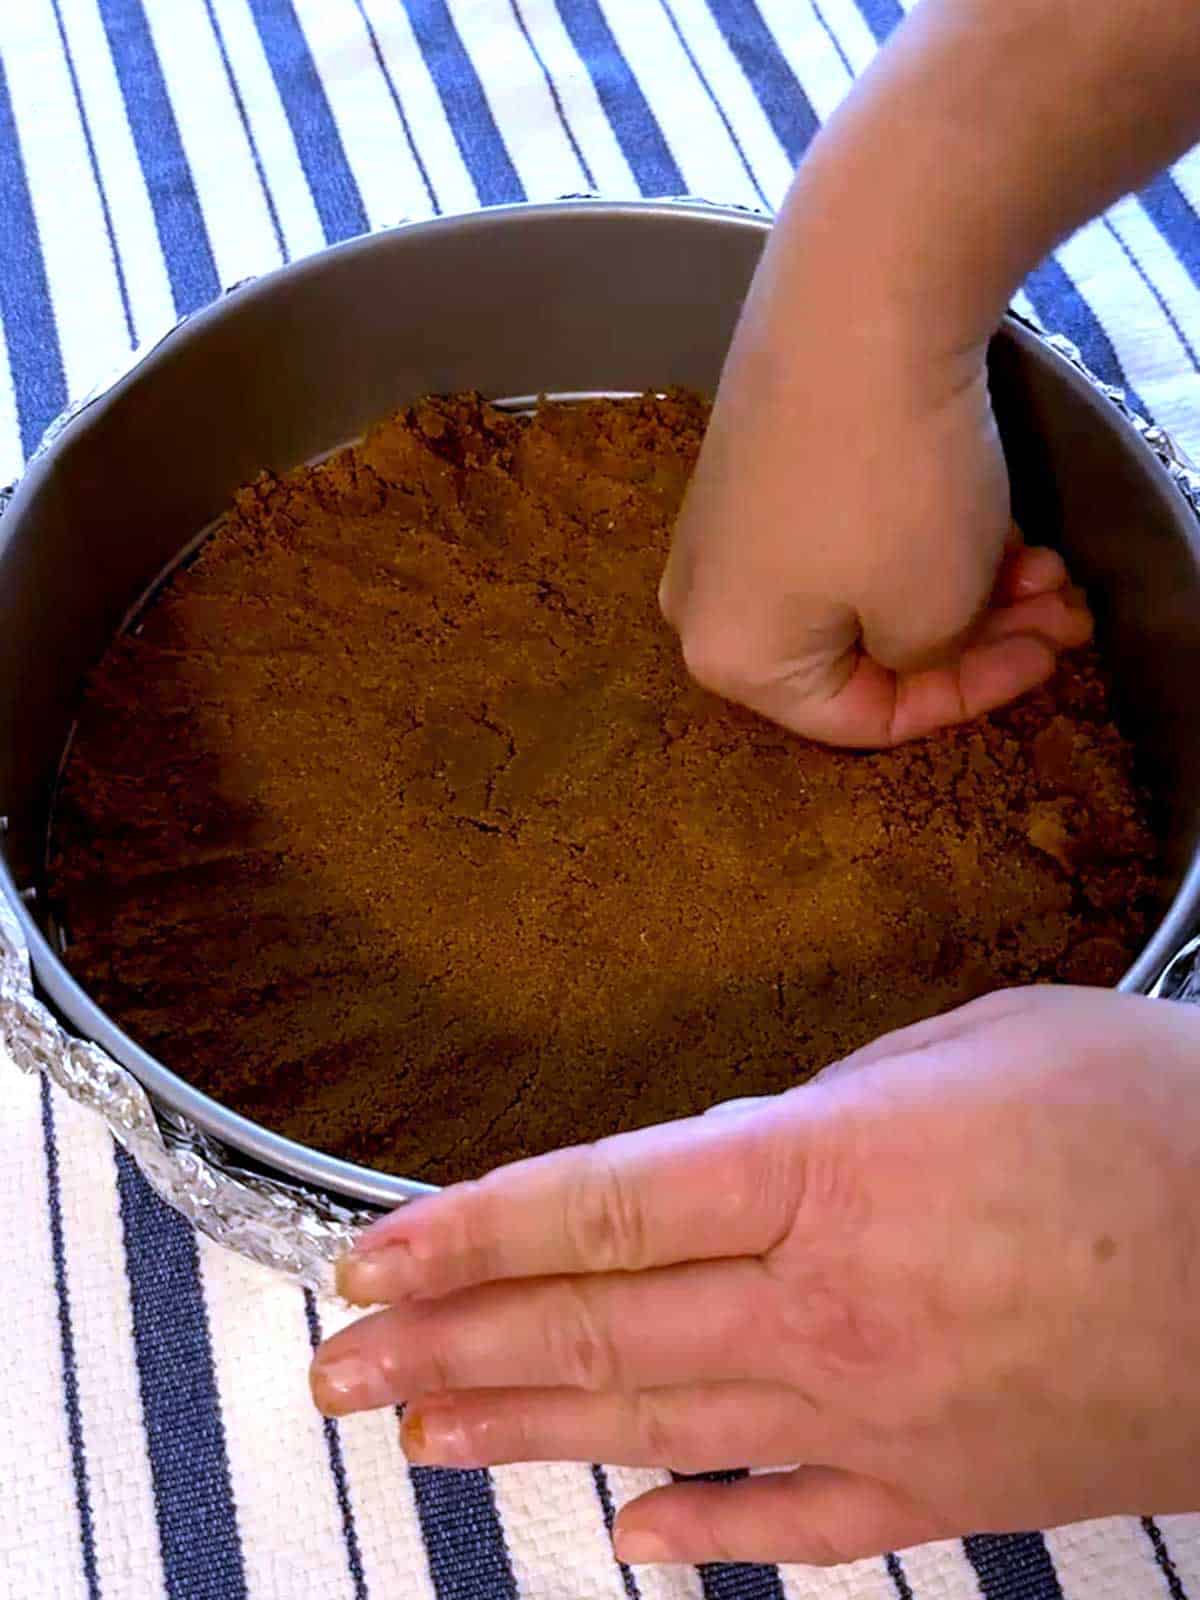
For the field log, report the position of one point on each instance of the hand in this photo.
(845, 562)
(951, 1286)
(838, 565)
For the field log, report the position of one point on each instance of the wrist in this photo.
(846, 305)
(923, 231)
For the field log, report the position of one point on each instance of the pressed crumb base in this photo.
(398, 827)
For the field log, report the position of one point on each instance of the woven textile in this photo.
(155, 1433)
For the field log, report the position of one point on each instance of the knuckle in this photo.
(832, 1184)
(424, 1366)
(655, 1440)
(764, 1180)
(713, 660)
(505, 1435)
(472, 1242)
(439, 1365)
(837, 1330)
(605, 1220)
(390, 1364)
(581, 1349)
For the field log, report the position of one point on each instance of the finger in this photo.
(689, 1190)
(874, 709)
(688, 1427)
(685, 1324)
(814, 1515)
(867, 707)
(1016, 650)
(1062, 619)
(988, 675)
(1029, 571)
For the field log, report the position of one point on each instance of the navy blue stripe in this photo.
(464, 1541)
(833, 38)
(185, 1436)
(609, 1512)
(66, 1335)
(177, 216)
(588, 175)
(26, 312)
(1159, 299)
(467, 110)
(1062, 309)
(97, 178)
(719, 108)
(784, 102)
(406, 126)
(1013, 1566)
(1173, 216)
(1163, 1556)
(318, 142)
(626, 107)
(881, 16)
(739, 1582)
(896, 1572)
(337, 1467)
(244, 118)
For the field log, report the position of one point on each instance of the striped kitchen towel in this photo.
(155, 1432)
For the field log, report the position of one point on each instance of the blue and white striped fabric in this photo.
(155, 1432)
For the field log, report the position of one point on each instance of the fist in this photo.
(845, 561)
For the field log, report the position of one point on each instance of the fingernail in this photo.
(371, 1277)
(435, 1441)
(347, 1384)
(641, 1549)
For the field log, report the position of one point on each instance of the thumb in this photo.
(814, 1515)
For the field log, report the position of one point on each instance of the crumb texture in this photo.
(397, 825)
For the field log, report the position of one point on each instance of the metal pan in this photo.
(576, 296)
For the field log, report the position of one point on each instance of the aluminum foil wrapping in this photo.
(280, 1224)
(298, 1232)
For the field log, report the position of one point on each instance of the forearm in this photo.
(985, 132)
